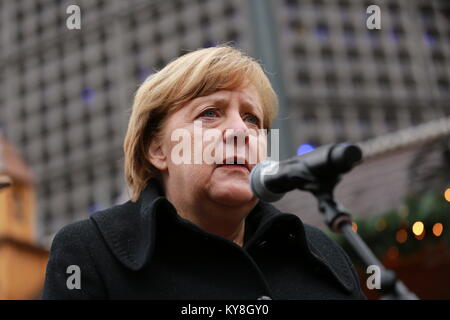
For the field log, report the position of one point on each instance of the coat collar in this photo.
(129, 231)
(129, 228)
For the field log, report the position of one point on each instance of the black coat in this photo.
(144, 250)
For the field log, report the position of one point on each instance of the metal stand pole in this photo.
(338, 220)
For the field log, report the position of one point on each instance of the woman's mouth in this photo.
(242, 167)
(234, 163)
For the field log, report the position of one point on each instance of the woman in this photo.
(193, 229)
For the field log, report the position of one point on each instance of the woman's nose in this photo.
(236, 129)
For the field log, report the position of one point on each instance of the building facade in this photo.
(66, 94)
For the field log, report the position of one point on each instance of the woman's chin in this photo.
(231, 193)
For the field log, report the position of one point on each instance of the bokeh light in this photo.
(88, 95)
(437, 229)
(305, 148)
(447, 194)
(401, 236)
(418, 228)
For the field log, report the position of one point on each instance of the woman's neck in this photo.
(228, 222)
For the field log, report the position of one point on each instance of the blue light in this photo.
(394, 36)
(429, 38)
(304, 148)
(322, 32)
(88, 95)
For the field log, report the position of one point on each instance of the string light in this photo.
(401, 236)
(437, 229)
(447, 194)
(418, 228)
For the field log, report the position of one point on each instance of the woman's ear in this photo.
(156, 154)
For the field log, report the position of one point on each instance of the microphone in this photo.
(270, 180)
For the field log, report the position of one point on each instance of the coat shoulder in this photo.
(74, 246)
(82, 229)
(86, 228)
(98, 231)
(118, 215)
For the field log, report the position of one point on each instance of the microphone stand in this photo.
(319, 172)
(339, 221)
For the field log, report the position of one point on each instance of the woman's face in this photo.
(201, 140)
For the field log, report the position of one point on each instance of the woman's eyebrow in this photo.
(207, 100)
(219, 101)
(225, 101)
(252, 106)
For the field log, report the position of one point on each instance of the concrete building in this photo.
(66, 94)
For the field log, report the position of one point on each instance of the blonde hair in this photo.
(198, 73)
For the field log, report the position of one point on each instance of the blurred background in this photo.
(65, 99)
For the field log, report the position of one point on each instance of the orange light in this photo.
(355, 227)
(447, 194)
(418, 228)
(437, 229)
(401, 236)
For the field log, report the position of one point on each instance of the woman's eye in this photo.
(252, 119)
(209, 113)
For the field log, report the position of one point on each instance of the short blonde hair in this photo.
(195, 74)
